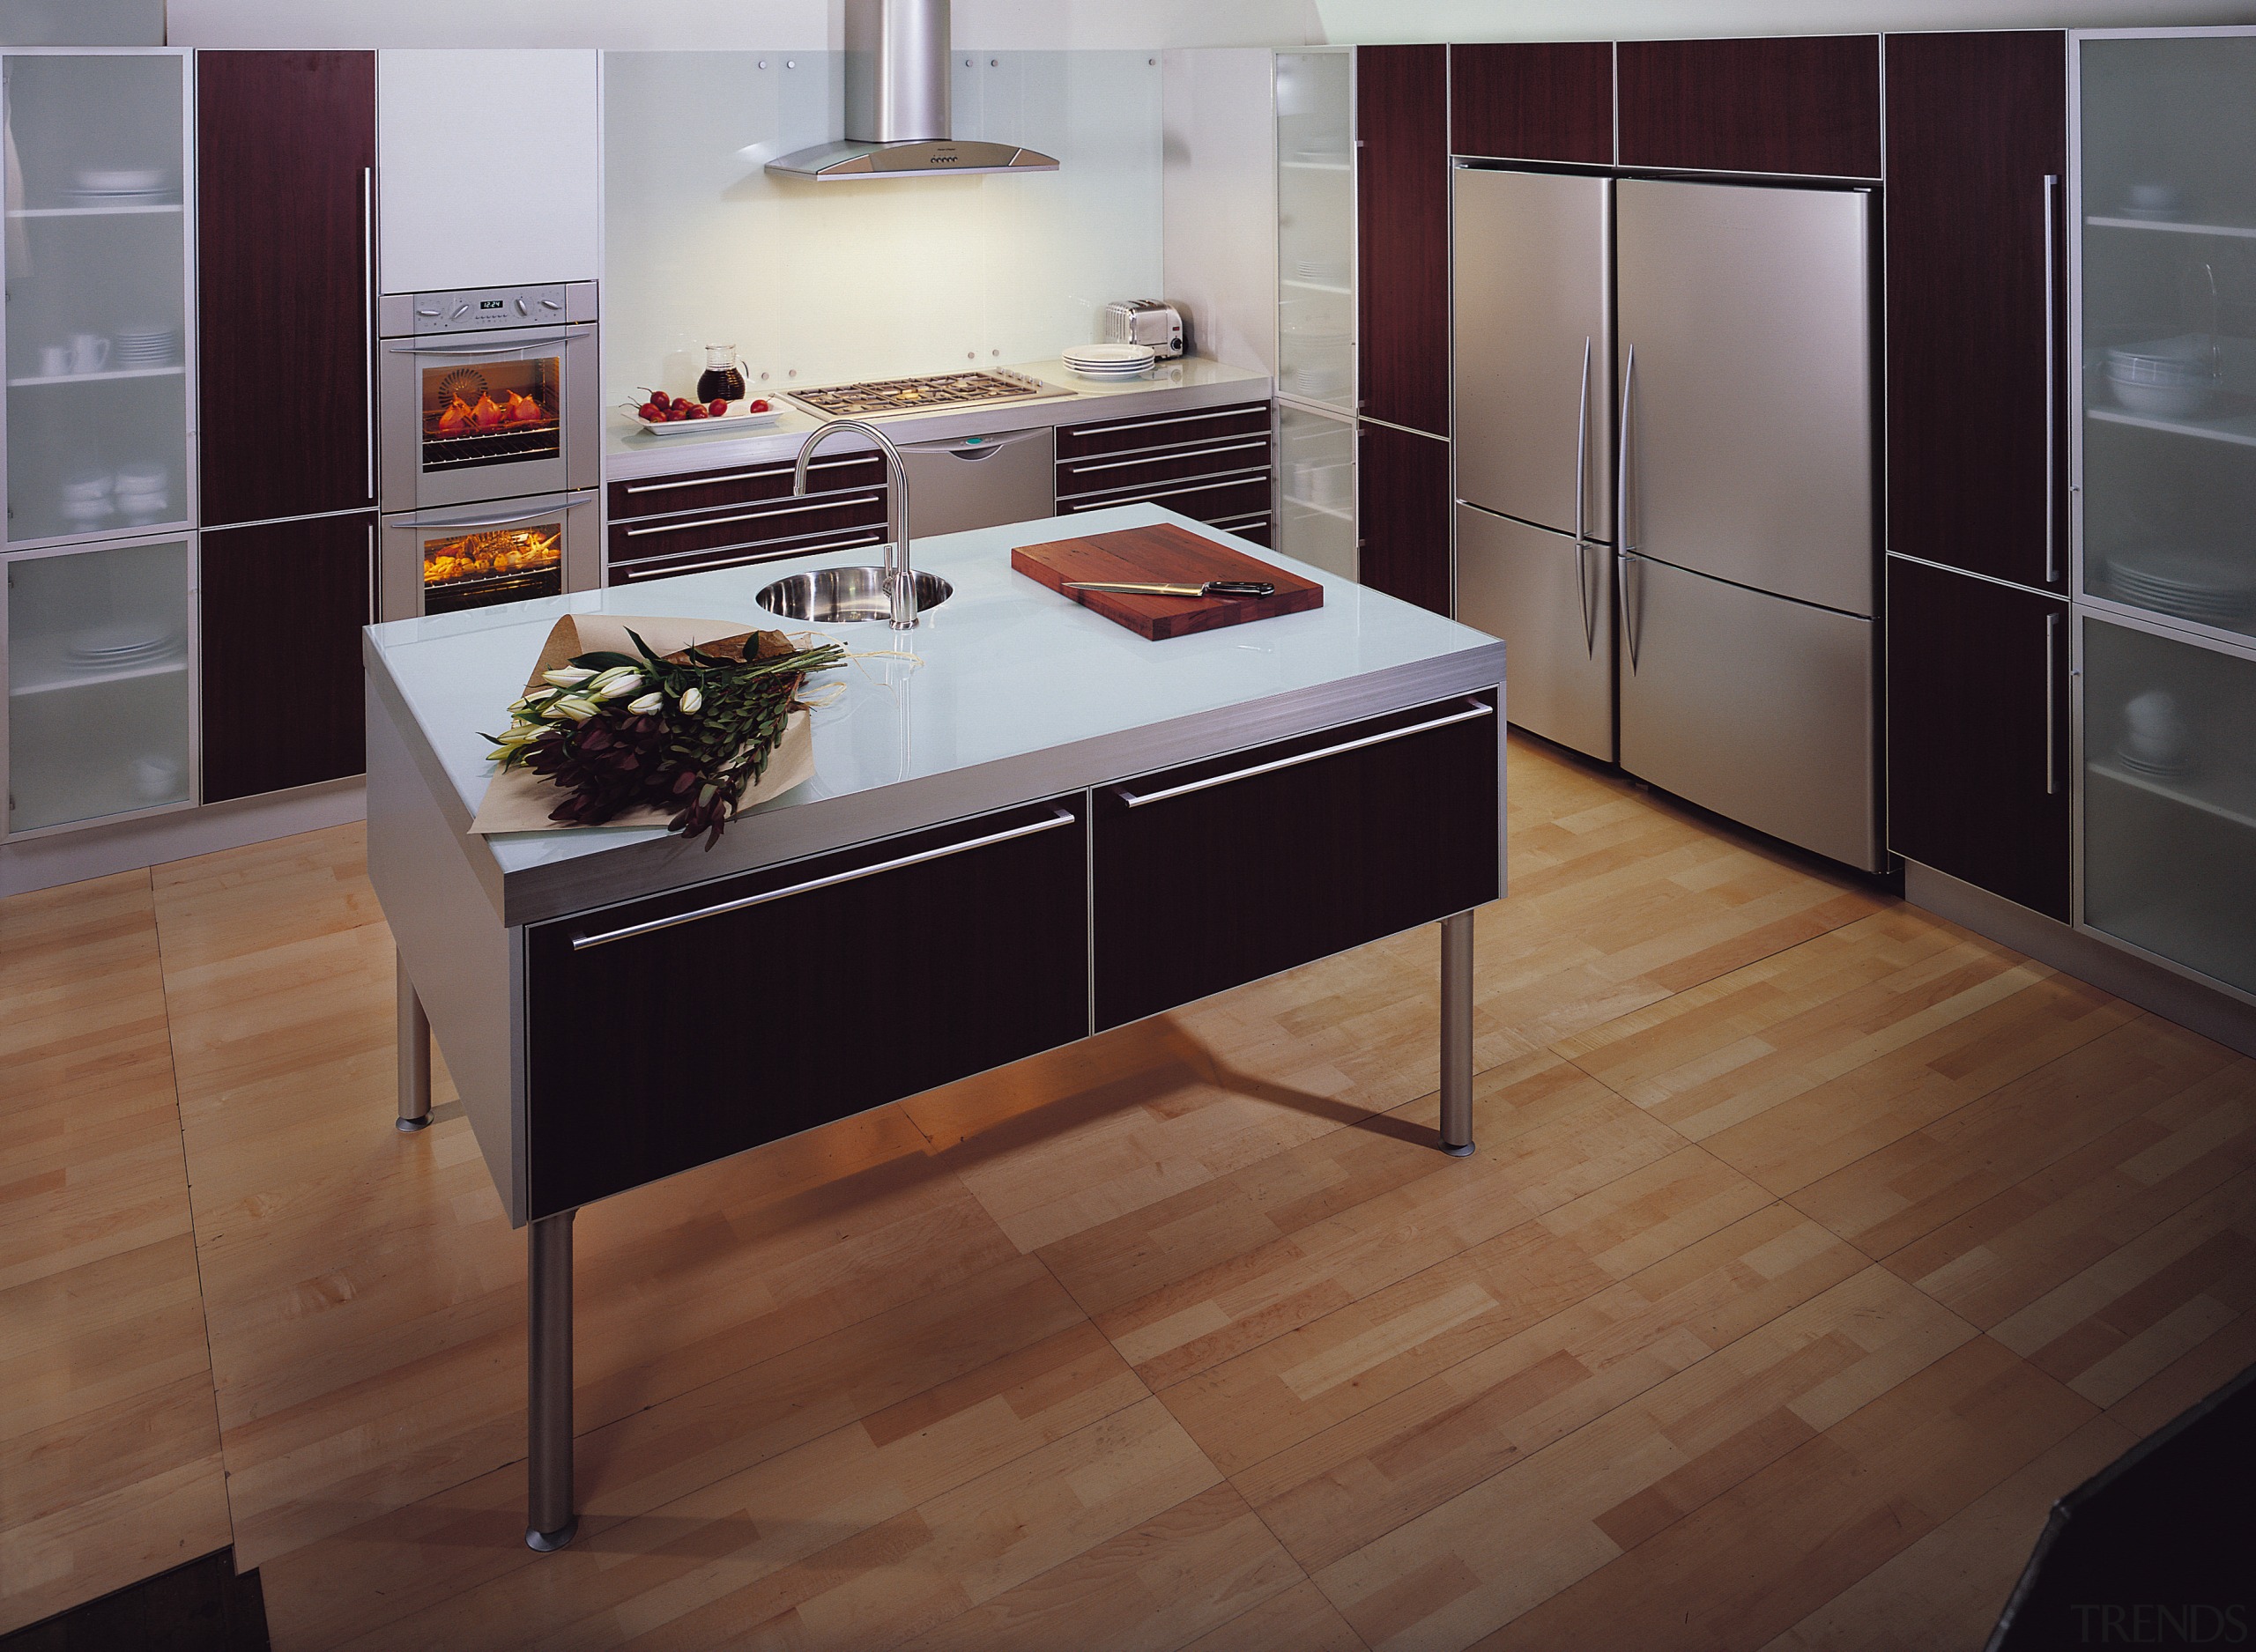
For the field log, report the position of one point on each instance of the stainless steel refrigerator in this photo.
(1740, 453)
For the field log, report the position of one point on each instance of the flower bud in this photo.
(618, 688)
(568, 676)
(519, 734)
(651, 702)
(691, 700)
(573, 706)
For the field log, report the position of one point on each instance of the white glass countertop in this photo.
(1004, 668)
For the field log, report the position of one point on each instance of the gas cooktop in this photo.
(876, 398)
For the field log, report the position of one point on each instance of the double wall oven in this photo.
(492, 438)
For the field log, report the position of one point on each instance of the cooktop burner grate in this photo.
(878, 396)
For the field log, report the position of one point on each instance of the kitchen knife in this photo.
(1212, 588)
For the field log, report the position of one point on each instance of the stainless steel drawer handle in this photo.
(1239, 480)
(752, 515)
(1254, 521)
(556, 507)
(741, 476)
(1137, 800)
(1076, 466)
(1156, 424)
(581, 943)
(732, 560)
(2052, 433)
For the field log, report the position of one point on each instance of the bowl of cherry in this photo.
(664, 415)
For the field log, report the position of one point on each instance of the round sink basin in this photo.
(830, 597)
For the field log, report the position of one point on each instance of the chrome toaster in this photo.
(1151, 321)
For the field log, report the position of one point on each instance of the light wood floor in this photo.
(1813, 1246)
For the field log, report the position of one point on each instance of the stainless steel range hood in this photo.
(897, 104)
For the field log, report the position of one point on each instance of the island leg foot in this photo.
(414, 1054)
(1456, 1035)
(550, 1521)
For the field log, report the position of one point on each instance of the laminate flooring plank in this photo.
(1547, 1133)
(110, 1466)
(1504, 1547)
(1415, 1451)
(1793, 1068)
(1300, 1620)
(1760, 1556)
(1947, 1588)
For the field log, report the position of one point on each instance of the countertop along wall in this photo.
(1375, 20)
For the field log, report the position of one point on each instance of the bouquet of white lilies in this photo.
(687, 732)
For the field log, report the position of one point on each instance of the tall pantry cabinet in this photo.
(287, 154)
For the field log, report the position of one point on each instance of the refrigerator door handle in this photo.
(1622, 535)
(1582, 493)
(1622, 602)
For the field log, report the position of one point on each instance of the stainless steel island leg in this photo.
(414, 1054)
(550, 1521)
(1456, 1035)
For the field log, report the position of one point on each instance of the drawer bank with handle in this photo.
(1044, 830)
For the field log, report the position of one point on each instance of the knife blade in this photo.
(1212, 588)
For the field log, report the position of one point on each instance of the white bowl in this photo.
(2181, 400)
(129, 180)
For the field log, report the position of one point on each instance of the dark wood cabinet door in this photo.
(956, 949)
(1801, 104)
(1220, 872)
(1402, 124)
(1532, 100)
(1978, 783)
(285, 145)
(1403, 514)
(282, 608)
(1976, 283)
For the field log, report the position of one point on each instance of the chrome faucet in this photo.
(899, 579)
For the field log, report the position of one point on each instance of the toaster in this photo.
(1151, 321)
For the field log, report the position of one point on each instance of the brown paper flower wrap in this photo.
(664, 739)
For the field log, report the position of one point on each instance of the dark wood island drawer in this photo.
(1221, 872)
(744, 484)
(1162, 430)
(667, 1032)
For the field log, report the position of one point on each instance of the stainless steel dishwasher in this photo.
(979, 481)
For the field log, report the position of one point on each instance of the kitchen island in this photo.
(1041, 827)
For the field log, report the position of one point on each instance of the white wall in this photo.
(1371, 20)
(728, 25)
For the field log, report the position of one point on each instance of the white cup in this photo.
(2156, 730)
(54, 361)
(156, 779)
(89, 353)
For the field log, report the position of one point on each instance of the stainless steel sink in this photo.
(830, 597)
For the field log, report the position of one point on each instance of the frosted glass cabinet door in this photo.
(1316, 467)
(2170, 798)
(1315, 227)
(2167, 238)
(98, 683)
(97, 313)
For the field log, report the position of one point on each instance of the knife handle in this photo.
(1239, 588)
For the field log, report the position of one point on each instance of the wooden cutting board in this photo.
(1167, 554)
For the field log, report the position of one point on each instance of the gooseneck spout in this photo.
(900, 581)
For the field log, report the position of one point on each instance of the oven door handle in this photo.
(557, 509)
(556, 337)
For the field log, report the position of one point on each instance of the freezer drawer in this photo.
(1535, 347)
(1747, 366)
(1757, 707)
(1521, 584)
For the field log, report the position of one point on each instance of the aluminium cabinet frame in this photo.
(184, 527)
(2236, 645)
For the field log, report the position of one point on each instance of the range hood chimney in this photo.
(897, 104)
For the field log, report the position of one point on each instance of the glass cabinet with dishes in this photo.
(1315, 488)
(1315, 227)
(2164, 493)
(100, 643)
(96, 267)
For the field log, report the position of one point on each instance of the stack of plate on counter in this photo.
(119, 647)
(140, 348)
(1111, 361)
(2185, 583)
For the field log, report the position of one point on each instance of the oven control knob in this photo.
(461, 310)
(432, 315)
(523, 308)
(551, 304)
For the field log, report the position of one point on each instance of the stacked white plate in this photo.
(143, 493)
(117, 645)
(1320, 272)
(138, 348)
(122, 187)
(1109, 361)
(2185, 583)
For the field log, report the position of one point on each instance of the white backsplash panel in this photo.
(817, 283)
